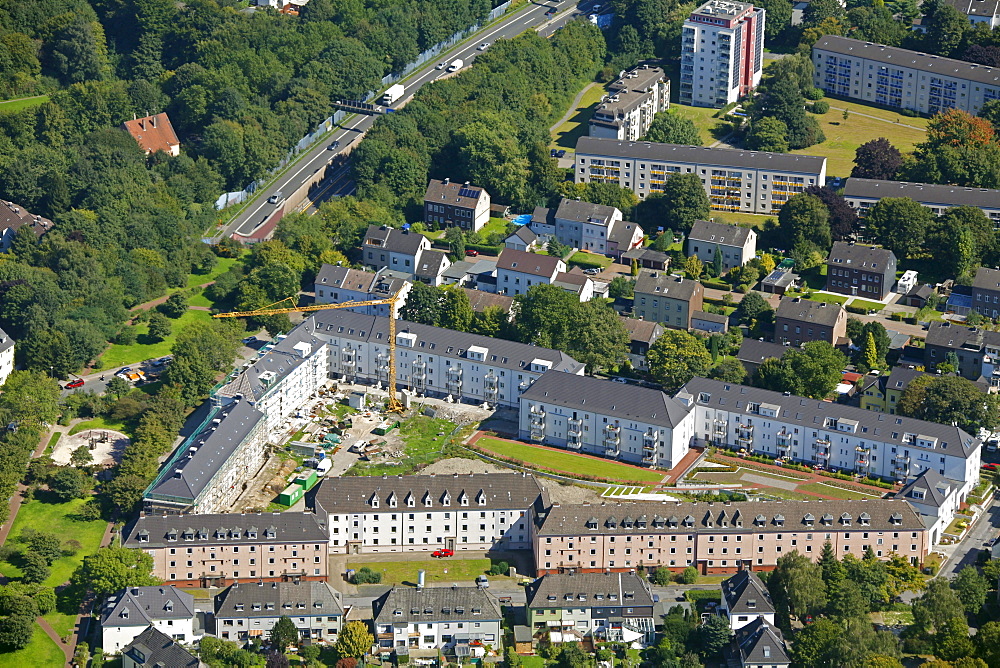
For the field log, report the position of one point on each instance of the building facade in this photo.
(936, 498)
(6, 356)
(986, 292)
(901, 78)
(745, 599)
(518, 270)
(449, 204)
(799, 321)
(154, 649)
(424, 513)
(629, 423)
(881, 392)
(743, 181)
(722, 537)
(453, 620)
(584, 225)
(758, 644)
(218, 550)
(977, 351)
(863, 194)
(722, 53)
(627, 111)
(244, 612)
(388, 248)
(336, 285)
(667, 298)
(128, 612)
(738, 245)
(864, 271)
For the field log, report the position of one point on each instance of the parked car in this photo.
(472, 252)
(553, 153)
(443, 552)
(249, 339)
(592, 271)
(73, 384)
(561, 153)
(991, 467)
(619, 379)
(439, 66)
(482, 582)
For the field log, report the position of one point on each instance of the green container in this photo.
(291, 494)
(307, 480)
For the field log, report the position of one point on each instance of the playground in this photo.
(106, 446)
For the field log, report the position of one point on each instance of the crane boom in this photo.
(394, 405)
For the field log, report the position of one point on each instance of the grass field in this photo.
(457, 567)
(744, 219)
(826, 297)
(53, 439)
(224, 265)
(41, 651)
(495, 226)
(871, 306)
(97, 423)
(566, 134)
(585, 259)
(10, 106)
(567, 462)
(702, 117)
(835, 492)
(118, 355)
(424, 441)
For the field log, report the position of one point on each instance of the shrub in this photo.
(813, 94)
(661, 577)
(688, 576)
(500, 568)
(365, 575)
(820, 107)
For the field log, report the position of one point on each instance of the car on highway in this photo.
(334, 146)
(483, 46)
(442, 553)
(276, 199)
(73, 384)
(440, 66)
(472, 252)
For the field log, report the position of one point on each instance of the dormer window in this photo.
(481, 498)
(865, 519)
(124, 613)
(172, 536)
(255, 606)
(374, 501)
(269, 606)
(239, 606)
(410, 501)
(845, 519)
(752, 603)
(144, 537)
(397, 613)
(446, 499)
(392, 500)
(168, 606)
(463, 499)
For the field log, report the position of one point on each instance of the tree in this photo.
(693, 267)
(423, 304)
(815, 644)
(159, 326)
(201, 352)
(689, 575)
(114, 568)
(779, 17)
(596, 335)
(68, 483)
(174, 307)
(621, 288)
(945, 28)
(952, 641)
(812, 371)
(832, 569)
(118, 387)
(81, 457)
(938, 604)
(843, 217)
(877, 159)
(455, 310)
(899, 224)
(545, 314)
(713, 635)
(456, 242)
(868, 355)
(767, 134)
(825, 9)
(781, 98)
(661, 577)
(34, 568)
(669, 127)
(677, 357)
(684, 202)
(805, 218)
(283, 634)
(729, 370)
(797, 586)
(947, 400)
(958, 128)
(717, 262)
(753, 307)
(988, 643)
(971, 587)
(847, 601)
(354, 640)
(275, 659)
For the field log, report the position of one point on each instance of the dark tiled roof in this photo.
(155, 649)
(579, 590)
(543, 216)
(454, 193)
(284, 598)
(395, 241)
(480, 300)
(856, 256)
(623, 232)
(627, 92)
(985, 8)
(710, 317)
(5, 341)
(719, 157)
(141, 606)
(950, 335)
(571, 209)
(746, 594)
(13, 217)
(646, 331)
(662, 284)
(987, 279)
(153, 133)
(528, 263)
(809, 311)
(606, 397)
(932, 484)
(435, 604)
(755, 352)
(221, 529)
(431, 264)
(925, 193)
(647, 254)
(525, 234)
(760, 643)
(719, 233)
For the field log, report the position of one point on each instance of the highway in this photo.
(318, 157)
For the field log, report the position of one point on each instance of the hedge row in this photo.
(726, 468)
(585, 262)
(850, 308)
(483, 248)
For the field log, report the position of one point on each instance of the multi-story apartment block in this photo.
(979, 11)
(602, 607)
(633, 424)
(863, 194)
(218, 550)
(799, 321)
(336, 285)
(627, 111)
(667, 298)
(832, 435)
(722, 53)
(461, 204)
(722, 537)
(6, 356)
(450, 620)
(881, 392)
(128, 612)
(13, 218)
(436, 362)
(584, 225)
(901, 78)
(244, 612)
(744, 181)
(738, 245)
(388, 248)
(758, 644)
(423, 513)
(518, 270)
(745, 599)
(986, 292)
(865, 271)
(977, 350)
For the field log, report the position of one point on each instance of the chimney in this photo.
(152, 121)
(447, 180)
(420, 579)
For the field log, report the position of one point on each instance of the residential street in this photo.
(966, 552)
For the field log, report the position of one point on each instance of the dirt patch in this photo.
(572, 494)
(106, 446)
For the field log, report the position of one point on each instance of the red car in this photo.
(443, 552)
(73, 384)
(472, 252)
(991, 467)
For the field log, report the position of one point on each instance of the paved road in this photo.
(532, 16)
(967, 552)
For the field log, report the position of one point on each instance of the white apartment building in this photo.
(6, 356)
(336, 285)
(436, 362)
(518, 270)
(863, 194)
(128, 612)
(247, 611)
(388, 248)
(901, 78)
(891, 447)
(627, 111)
(979, 11)
(600, 417)
(738, 245)
(423, 513)
(936, 498)
(451, 620)
(584, 225)
(745, 181)
(722, 53)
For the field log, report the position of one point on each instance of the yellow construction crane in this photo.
(394, 405)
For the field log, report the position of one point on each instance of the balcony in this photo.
(784, 440)
(823, 441)
(821, 456)
(611, 450)
(455, 374)
(490, 381)
(862, 450)
(650, 438)
(573, 444)
(574, 427)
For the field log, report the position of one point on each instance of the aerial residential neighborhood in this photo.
(527, 335)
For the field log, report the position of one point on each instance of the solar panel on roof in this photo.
(468, 192)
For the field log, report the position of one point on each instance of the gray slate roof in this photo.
(483, 491)
(431, 264)
(719, 233)
(647, 254)
(605, 397)
(630, 91)
(956, 336)
(811, 414)
(480, 300)
(710, 317)
(141, 606)
(663, 284)
(393, 240)
(5, 341)
(857, 256)
(455, 193)
(273, 599)
(987, 279)
(933, 485)
(732, 517)
(435, 604)
(753, 351)
(571, 209)
(225, 529)
(890, 55)
(897, 379)
(524, 233)
(925, 193)
(623, 231)
(760, 643)
(718, 157)
(809, 311)
(357, 280)
(986, 8)
(279, 360)
(439, 341)
(527, 263)
(155, 649)
(646, 331)
(579, 590)
(746, 594)
(14, 217)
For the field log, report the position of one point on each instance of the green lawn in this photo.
(224, 265)
(586, 260)
(567, 462)
(118, 355)
(533, 662)
(10, 106)
(827, 297)
(52, 441)
(423, 445)
(702, 117)
(736, 218)
(98, 423)
(459, 568)
(871, 306)
(495, 226)
(567, 133)
(41, 651)
(835, 492)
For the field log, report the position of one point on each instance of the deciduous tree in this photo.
(899, 224)
(283, 634)
(677, 357)
(669, 127)
(877, 159)
(354, 640)
(114, 568)
(768, 134)
(971, 588)
(684, 201)
(805, 218)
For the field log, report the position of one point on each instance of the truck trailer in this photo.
(393, 93)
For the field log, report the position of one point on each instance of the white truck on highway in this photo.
(393, 93)
(456, 65)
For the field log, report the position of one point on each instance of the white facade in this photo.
(632, 102)
(336, 285)
(437, 618)
(129, 612)
(115, 637)
(738, 245)
(518, 277)
(722, 53)
(309, 372)
(248, 611)
(6, 356)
